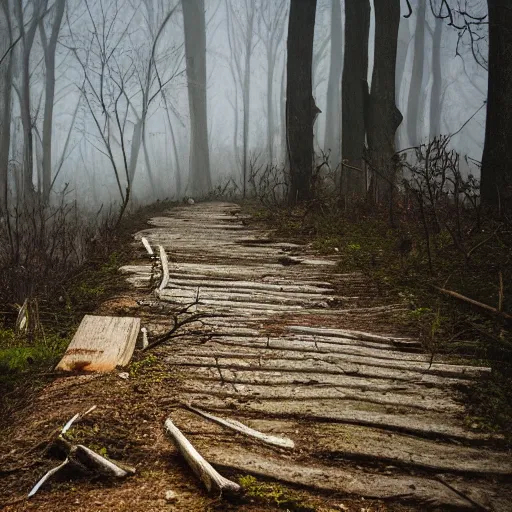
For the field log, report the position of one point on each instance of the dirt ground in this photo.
(369, 436)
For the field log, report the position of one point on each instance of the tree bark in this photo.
(382, 114)
(355, 73)
(200, 182)
(414, 107)
(300, 105)
(333, 108)
(496, 178)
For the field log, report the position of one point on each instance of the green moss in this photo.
(138, 368)
(274, 494)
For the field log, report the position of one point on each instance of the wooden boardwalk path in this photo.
(298, 350)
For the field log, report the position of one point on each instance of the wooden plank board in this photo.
(101, 343)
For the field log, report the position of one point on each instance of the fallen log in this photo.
(212, 480)
(281, 442)
(96, 462)
(480, 305)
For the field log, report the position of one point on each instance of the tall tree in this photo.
(300, 105)
(6, 41)
(355, 74)
(414, 103)
(437, 80)
(241, 24)
(383, 117)
(271, 23)
(27, 33)
(404, 40)
(200, 181)
(332, 141)
(49, 48)
(496, 179)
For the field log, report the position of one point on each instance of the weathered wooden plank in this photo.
(428, 492)
(425, 424)
(361, 443)
(101, 343)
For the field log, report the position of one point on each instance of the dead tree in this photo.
(271, 23)
(241, 31)
(49, 47)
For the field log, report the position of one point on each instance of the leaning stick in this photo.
(212, 480)
(148, 247)
(281, 442)
(481, 305)
(77, 416)
(165, 268)
(47, 476)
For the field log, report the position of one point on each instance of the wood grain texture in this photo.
(101, 343)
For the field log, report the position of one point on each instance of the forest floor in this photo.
(288, 345)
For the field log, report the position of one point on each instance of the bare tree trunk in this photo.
(49, 47)
(5, 99)
(496, 181)
(437, 80)
(382, 114)
(300, 105)
(147, 160)
(200, 182)
(355, 74)
(404, 38)
(414, 106)
(27, 37)
(246, 95)
(270, 108)
(282, 103)
(332, 141)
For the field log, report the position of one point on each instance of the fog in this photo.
(123, 96)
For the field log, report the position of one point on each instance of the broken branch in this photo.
(281, 442)
(202, 468)
(480, 305)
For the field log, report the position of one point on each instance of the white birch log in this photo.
(212, 480)
(148, 247)
(96, 462)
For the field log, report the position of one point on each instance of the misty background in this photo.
(121, 105)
